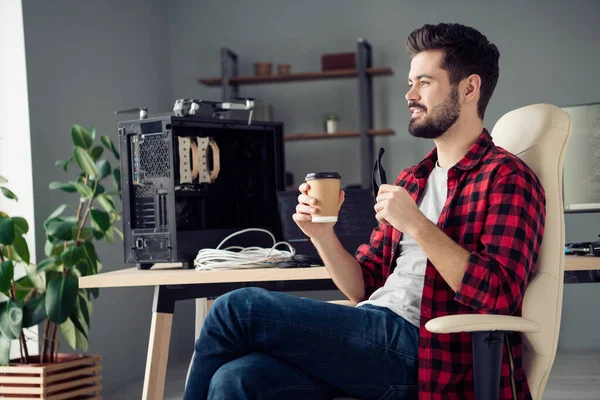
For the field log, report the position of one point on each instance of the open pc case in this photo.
(191, 179)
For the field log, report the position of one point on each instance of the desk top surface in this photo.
(173, 274)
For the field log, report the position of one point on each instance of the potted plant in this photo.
(49, 292)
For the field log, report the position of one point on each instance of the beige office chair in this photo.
(538, 134)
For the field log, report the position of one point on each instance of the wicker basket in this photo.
(74, 376)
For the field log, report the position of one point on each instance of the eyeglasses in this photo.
(382, 177)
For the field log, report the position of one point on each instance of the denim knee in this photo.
(237, 298)
(227, 383)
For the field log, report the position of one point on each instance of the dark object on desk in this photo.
(190, 181)
(331, 62)
(356, 221)
(583, 248)
(301, 261)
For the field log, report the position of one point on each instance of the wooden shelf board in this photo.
(343, 134)
(305, 76)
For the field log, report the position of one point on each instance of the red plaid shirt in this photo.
(496, 210)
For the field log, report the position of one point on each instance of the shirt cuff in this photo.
(475, 284)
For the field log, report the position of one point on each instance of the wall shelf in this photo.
(230, 83)
(337, 135)
(298, 77)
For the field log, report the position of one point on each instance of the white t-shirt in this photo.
(403, 289)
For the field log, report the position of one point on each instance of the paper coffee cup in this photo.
(325, 188)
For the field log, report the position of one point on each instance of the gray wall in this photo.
(549, 53)
(84, 61)
(87, 59)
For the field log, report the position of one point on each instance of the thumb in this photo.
(342, 197)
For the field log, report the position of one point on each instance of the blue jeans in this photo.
(257, 344)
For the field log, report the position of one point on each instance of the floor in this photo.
(575, 376)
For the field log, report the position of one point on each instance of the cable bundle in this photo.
(244, 257)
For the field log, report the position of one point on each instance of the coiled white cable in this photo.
(245, 257)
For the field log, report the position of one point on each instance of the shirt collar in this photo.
(470, 159)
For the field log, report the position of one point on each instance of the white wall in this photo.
(15, 142)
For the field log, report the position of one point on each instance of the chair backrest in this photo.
(538, 134)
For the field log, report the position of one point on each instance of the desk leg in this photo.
(158, 346)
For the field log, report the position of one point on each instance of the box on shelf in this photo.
(331, 62)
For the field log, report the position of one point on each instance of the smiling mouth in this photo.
(416, 112)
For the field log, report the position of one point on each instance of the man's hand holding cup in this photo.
(319, 203)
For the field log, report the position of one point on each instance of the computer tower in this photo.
(188, 182)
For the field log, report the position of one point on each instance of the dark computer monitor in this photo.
(355, 223)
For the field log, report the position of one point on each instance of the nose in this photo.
(412, 95)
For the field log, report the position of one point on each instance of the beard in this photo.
(442, 117)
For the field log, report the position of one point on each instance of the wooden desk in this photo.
(173, 284)
(582, 263)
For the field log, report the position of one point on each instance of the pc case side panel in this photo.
(126, 187)
(148, 192)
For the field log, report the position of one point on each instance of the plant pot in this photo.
(74, 376)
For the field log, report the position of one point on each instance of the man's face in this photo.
(432, 100)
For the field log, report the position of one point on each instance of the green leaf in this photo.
(110, 237)
(118, 232)
(93, 132)
(7, 231)
(101, 218)
(37, 280)
(51, 249)
(83, 308)
(86, 233)
(60, 229)
(48, 263)
(108, 143)
(64, 163)
(21, 225)
(84, 190)
(34, 311)
(96, 152)
(8, 194)
(95, 292)
(59, 210)
(78, 325)
(106, 202)
(64, 186)
(81, 137)
(4, 351)
(11, 319)
(90, 254)
(3, 179)
(61, 296)
(7, 272)
(21, 248)
(98, 234)
(73, 337)
(117, 179)
(85, 162)
(103, 169)
(22, 287)
(72, 255)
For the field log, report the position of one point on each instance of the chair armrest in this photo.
(480, 322)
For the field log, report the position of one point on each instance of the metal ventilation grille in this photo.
(154, 157)
(144, 207)
(152, 247)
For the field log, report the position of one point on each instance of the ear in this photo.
(471, 88)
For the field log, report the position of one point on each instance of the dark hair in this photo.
(466, 52)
